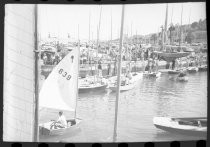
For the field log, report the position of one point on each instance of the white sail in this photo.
(59, 90)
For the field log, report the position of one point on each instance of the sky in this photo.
(140, 19)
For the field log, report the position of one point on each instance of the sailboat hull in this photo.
(84, 89)
(44, 129)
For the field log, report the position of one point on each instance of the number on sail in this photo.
(65, 74)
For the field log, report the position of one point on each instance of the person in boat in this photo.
(99, 68)
(61, 122)
(182, 74)
(150, 65)
(109, 68)
(173, 64)
(156, 64)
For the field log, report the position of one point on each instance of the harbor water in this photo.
(137, 107)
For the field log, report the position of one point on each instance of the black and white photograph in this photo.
(105, 73)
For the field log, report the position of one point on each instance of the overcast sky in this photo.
(141, 19)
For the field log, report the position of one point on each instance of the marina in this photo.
(137, 107)
(141, 90)
(106, 73)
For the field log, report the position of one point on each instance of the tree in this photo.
(194, 25)
(154, 37)
(190, 37)
(171, 29)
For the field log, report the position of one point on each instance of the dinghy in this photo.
(187, 126)
(202, 68)
(182, 79)
(192, 69)
(125, 87)
(152, 74)
(59, 91)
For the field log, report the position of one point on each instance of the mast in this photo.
(166, 20)
(180, 39)
(118, 76)
(88, 58)
(189, 17)
(36, 117)
(75, 112)
(98, 30)
(172, 14)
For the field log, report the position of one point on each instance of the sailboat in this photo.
(173, 55)
(93, 83)
(60, 92)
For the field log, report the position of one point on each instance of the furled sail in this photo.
(59, 91)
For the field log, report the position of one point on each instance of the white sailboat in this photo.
(60, 91)
(93, 83)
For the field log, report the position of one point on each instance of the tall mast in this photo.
(111, 33)
(189, 16)
(118, 76)
(98, 30)
(172, 14)
(89, 42)
(180, 39)
(166, 20)
(36, 116)
(75, 112)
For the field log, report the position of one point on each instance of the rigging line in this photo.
(21, 16)
(20, 40)
(18, 52)
(20, 64)
(15, 26)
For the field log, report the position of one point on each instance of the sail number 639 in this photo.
(64, 74)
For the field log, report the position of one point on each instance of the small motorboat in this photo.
(202, 68)
(188, 126)
(182, 79)
(47, 129)
(192, 69)
(136, 77)
(125, 87)
(152, 74)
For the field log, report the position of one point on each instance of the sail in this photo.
(59, 90)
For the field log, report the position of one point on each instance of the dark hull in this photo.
(173, 72)
(100, 88)
(182, 131)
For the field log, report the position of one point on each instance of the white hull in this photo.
(192, 69)
(122, 88)
(182, 79)
(186, 126)
(44, 128)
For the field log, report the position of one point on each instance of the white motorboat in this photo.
(192, 69)
(188, 126)
(125, 87)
